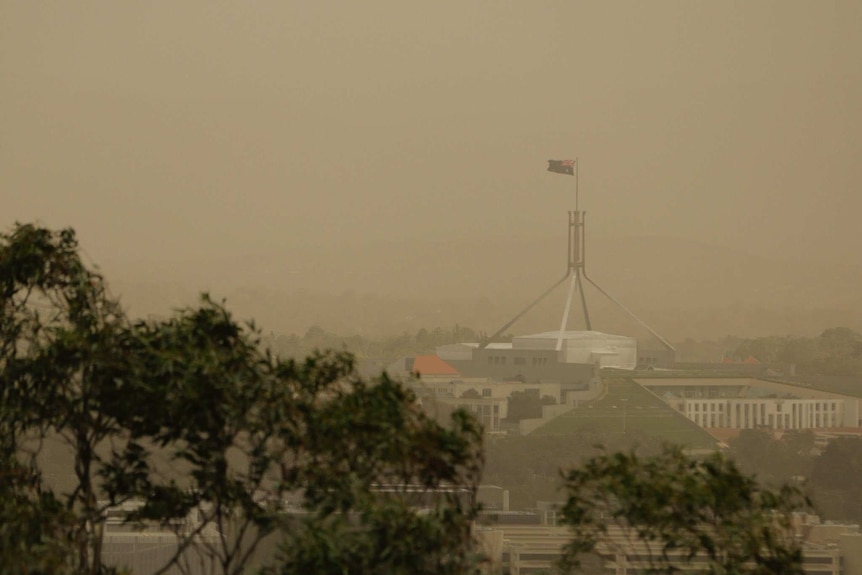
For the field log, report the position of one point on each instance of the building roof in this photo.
(432, 365)
(571, 334)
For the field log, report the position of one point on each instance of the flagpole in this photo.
(576, 182)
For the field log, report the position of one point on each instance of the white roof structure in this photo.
(608, 350)
(541, 340)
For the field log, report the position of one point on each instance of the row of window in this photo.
(774, 421)
(812, 407)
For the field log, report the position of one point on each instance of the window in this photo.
(486, 392)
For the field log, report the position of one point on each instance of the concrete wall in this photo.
(530, 365)
(850, 545)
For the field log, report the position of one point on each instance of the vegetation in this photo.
(382, 350)
(529, 466)
(828, 474)
(835, 480)
(680, 511)
(835, 352)
(775, 460)
(187, 417)
(527, 405)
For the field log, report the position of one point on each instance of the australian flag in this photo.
(562, 166)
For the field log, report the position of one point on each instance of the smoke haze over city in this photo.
(399, 149)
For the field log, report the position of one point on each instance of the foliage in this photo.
(528, 466)
(199, 429)
(679, 510)
(57, 331)
(363, 520)
(382, 349)
(774, 460)
(835, 479)
(527, 405)
(34, 526)
(257, 430)
(836, 351)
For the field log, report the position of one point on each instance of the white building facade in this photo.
(772, 413)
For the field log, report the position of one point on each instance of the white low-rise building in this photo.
(747, 403)
(773, 413)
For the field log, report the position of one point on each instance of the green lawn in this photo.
(627, 405)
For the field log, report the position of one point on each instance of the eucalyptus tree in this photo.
(673, 512)
(57, 330)
(194, 427)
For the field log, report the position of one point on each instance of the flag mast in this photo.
(574, 265)
(575, 268)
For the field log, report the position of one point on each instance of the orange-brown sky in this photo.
(200, 132)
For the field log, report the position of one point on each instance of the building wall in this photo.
(526, 365)
(492, 404)
(691, 388)
(536, 548)
(653, 357)
(488, 410)
(850, 545)
(773, 413)
(453, 386)
(607, 350)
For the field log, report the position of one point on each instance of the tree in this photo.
(529, 466)
(34, 526)
(676, 510)
(839, 352)
(835, 479)
(527, 405)
(256, 431)
(57, 332)
(189, 417)
(774, 461)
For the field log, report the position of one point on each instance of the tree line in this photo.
(836, 351)
(829, 474)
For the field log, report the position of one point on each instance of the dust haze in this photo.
(380, 166)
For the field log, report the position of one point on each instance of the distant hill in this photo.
(680, 287)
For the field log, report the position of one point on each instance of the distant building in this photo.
(747, 403)
(519, 549)
(571, 359)
(147, 548)
(652, 357)
(562, 365)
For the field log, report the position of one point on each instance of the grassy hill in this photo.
(629, 406)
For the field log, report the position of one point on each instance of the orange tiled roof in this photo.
(432, 365)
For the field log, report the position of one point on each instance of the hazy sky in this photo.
(186, 130)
